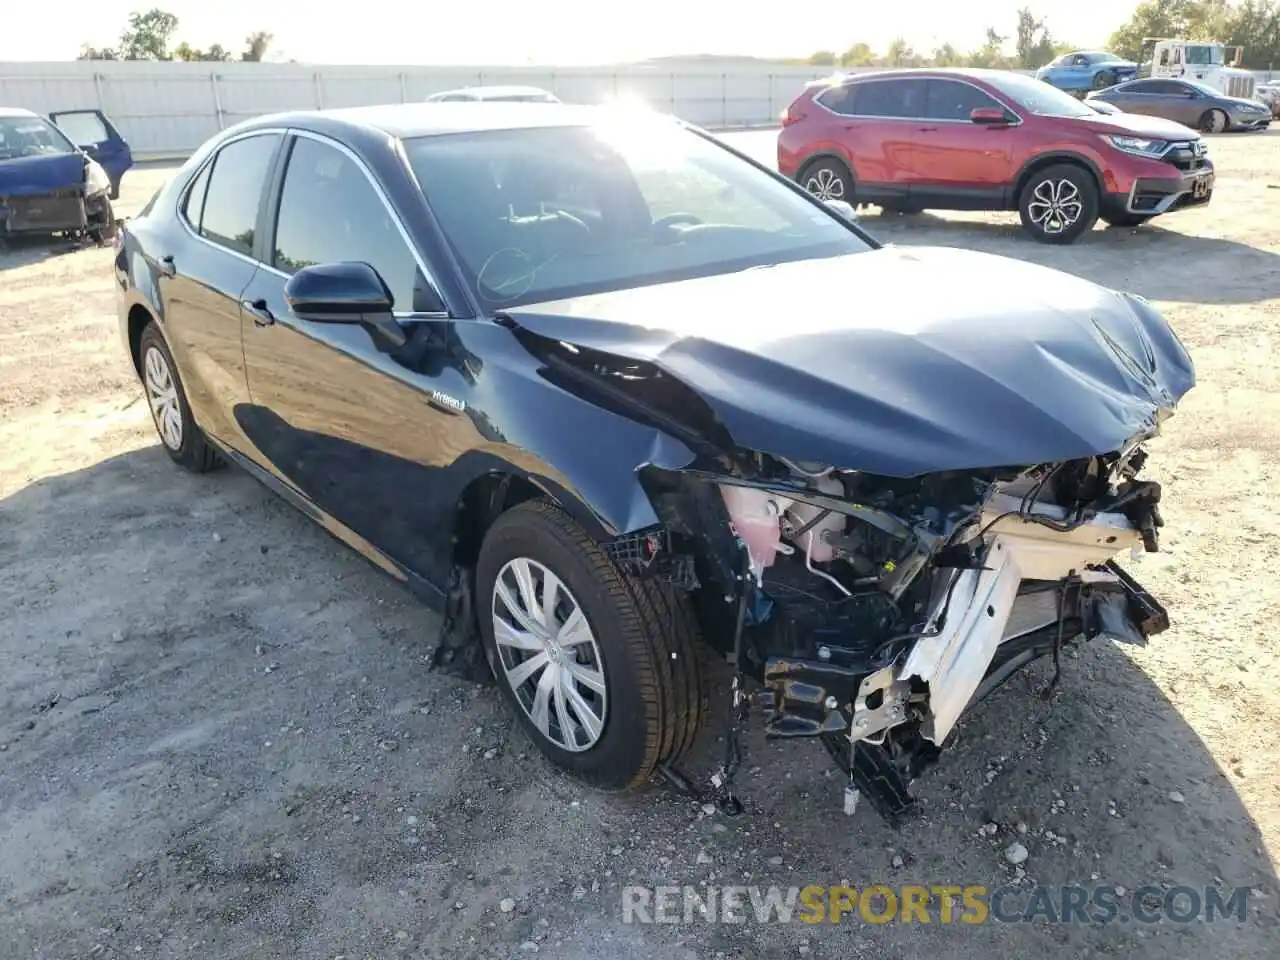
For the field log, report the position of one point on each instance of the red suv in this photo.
(913, 140)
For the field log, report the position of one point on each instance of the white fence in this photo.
(168, 109)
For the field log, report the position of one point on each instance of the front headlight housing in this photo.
(96, 180)
(1138, 146)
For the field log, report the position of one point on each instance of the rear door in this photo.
(350, 427)
(956, 163)
(97, 136)
(876, 123)
(1158, 98)
(203, 269)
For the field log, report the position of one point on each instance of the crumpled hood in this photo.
(33, 176)
(898, 361)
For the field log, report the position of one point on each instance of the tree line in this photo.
(148, 36)
(1252, 24)
(1033, 45)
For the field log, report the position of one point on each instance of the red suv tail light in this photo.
(794, 113)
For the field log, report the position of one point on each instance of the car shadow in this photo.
(1136, 260)
(23, 251)
(131, 635)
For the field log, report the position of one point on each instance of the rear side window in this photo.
(330, 213)
(953, 100)
(838, 99)
(234, 192)
(193, 205)
(902, 99)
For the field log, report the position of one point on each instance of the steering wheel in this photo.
(675, 219)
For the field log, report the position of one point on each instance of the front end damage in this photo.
(62, 194)
(871, 612)
(883, 509)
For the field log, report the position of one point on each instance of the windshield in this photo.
(1204, 55)
(1105, 58)
(30, 137)
(544, 213)
(1037, 96)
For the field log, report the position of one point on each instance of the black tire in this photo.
(193, 452)
(645, 633)
(1213, 121)
(1049, 182)
(1126, 219)
(1103, 79)
(830, 173)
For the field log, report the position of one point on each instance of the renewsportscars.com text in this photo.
(971, 904)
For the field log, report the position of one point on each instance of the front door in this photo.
(92, 132)
(354, 427)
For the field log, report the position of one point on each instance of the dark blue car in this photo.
(593, 384)
(59, 176)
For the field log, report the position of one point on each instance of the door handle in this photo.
(167, 268)
(258, 310)
(928, 129)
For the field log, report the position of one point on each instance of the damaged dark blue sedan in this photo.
(50, 184)
(610, 395)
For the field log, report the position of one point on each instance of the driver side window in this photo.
(330, 212)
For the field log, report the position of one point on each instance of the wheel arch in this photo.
(139, 318)
(825, 154)
(496, 485)
(1036, 164)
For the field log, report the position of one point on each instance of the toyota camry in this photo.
(613, 396)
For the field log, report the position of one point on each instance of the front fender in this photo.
(583, 455)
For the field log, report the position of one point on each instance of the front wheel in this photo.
(1213, 121)
(599, 666)
(1102, 79)
(1059, 203)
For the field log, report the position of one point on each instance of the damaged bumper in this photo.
(875, 628)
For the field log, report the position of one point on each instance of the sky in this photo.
(548, 31)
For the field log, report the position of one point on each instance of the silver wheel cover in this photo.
(548, 655)
(162, 394)
(825, 184)
(1055, 206)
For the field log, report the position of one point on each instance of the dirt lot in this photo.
(220, 737)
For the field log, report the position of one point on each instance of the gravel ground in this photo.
(220, 736)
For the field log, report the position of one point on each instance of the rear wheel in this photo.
(827, 179)
(181, 438)
(1213, 121)
(599, 666)
(1059, 203)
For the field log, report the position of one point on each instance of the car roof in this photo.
(14, 112)
(509, 90)
(408, 120)
(959, 73)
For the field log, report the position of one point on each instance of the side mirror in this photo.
(988, 116)
(843, 208)
(346, 293)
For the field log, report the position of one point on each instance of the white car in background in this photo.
(497, 94)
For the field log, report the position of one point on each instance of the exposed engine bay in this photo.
(871, 612)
